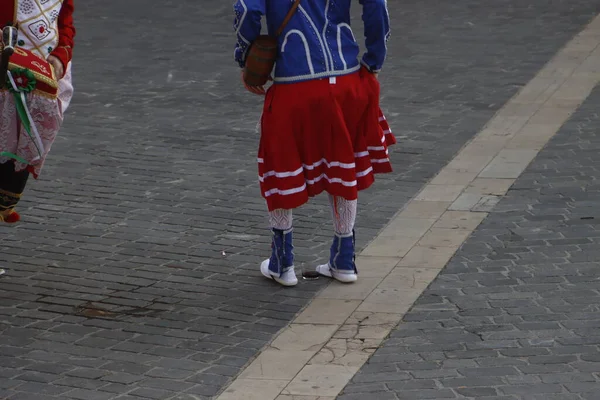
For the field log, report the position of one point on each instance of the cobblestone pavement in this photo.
(515, 314)
(133, 274)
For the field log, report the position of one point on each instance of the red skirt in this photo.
(322, 135)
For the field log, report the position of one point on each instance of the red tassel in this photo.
(335, 208)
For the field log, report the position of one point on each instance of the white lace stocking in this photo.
(281, 219)
(344, 214)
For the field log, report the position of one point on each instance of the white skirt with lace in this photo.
(47, 115)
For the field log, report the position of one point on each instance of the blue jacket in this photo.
(318, 41)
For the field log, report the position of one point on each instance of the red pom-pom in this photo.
(12, 218)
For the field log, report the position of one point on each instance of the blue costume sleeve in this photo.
(377, 32)
(247, 25)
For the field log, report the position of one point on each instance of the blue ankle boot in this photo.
(280, 266)
(341, 264)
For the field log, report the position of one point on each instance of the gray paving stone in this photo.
(205, 390)
(148, 393)
(123, 378)
(84, 394)
(42, 389)
(115, 388)
(368, 396)
(427, 394)
(31, 376)
(30, 396)
(81, 383)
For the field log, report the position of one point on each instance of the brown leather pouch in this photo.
(263, 53)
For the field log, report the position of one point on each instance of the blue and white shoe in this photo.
(280, 267)
(341, 265)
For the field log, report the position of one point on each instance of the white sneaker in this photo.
(288, 278)
(2, 272)
(343, 277)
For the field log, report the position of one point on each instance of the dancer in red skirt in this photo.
(321, 127)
